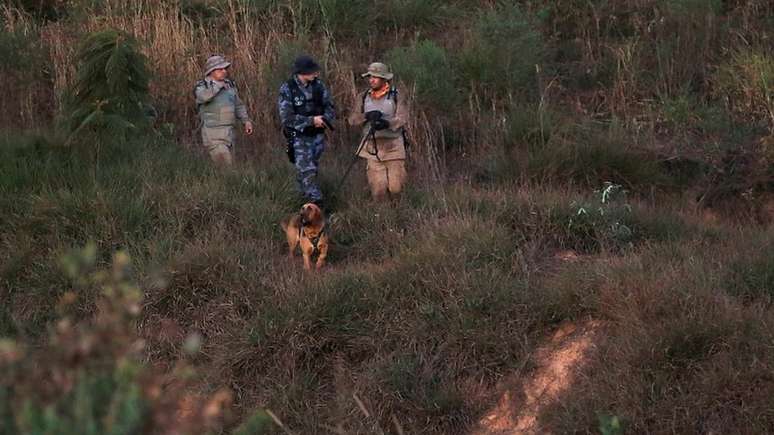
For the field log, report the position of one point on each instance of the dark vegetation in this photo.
(141, 289)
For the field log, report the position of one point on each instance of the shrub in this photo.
(746, 81)
(503, 55)
(679, 52)
(342, 17)
(530, 126)
(89, 377)
(588, 156)
(110, 94)
(692, 8)
(602, 220)
(280, 70)
(408, 14)
(26, 64)
(428, 67)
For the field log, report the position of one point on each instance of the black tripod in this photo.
(369, 135)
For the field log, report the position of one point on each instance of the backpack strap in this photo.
(392, 93)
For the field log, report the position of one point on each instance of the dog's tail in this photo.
(284, 224)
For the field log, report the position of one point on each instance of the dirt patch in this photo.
(557, 364)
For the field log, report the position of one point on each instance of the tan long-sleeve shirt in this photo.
(390, 143)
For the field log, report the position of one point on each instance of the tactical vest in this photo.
(301, 104)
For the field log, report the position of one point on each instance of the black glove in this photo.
(373, 115)
(380, 124)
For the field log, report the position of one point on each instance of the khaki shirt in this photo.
(390, 144)
(219, 104)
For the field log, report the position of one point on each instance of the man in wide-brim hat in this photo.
(219, 108)
(383, 115)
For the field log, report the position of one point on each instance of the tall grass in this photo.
(426, 305)
(429, 301)
(617, 59)
(692, 350)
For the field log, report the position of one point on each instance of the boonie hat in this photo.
(215, 62)
(378, 69)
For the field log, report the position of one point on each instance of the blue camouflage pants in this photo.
(308, 150)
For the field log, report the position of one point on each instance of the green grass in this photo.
(451, 287)
(428, 303)
(679, 338)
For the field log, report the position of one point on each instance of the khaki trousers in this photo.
(386, 176)
(219, 143)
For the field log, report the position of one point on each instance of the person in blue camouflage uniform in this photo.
(306, 110)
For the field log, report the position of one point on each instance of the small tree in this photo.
(110, 93)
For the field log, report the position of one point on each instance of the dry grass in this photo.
(431, 301)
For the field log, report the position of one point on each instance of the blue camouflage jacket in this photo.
(296, 113)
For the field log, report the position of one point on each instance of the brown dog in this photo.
(307, 229)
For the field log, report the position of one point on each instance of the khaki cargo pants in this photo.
(219, 143)
(386, 176)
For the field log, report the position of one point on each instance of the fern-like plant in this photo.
(110, 93)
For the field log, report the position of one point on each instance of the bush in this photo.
(603, 220)
(503, 56)
(428, 67)
(280, 70)
(589, 156)
(746, 83)
(109, 97)
(408, 14)
(89, 377)
(530, 126)
(345, 18)
(26, 64)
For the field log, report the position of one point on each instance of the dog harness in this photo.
(315, 240)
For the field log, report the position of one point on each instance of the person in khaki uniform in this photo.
(384, 147)
(219, 108)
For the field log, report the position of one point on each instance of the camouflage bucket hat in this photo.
(378, 69)
(215, 62)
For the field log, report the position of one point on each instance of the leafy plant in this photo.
(110, 94)
(610, 425)
(602, 219)
(89, 377)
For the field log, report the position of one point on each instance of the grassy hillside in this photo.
(635, 136)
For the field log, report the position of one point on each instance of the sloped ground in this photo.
(557, 363)
(429, 302)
